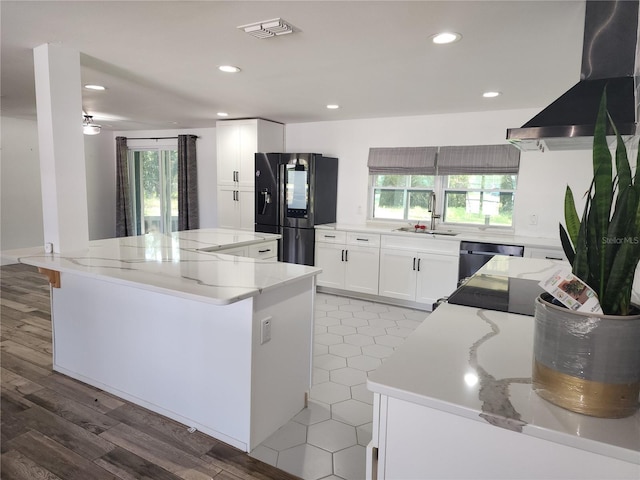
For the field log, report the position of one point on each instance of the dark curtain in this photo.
(188, 216)
(124, 211)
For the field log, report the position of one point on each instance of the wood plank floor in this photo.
(54, 427)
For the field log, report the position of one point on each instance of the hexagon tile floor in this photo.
(327, 440)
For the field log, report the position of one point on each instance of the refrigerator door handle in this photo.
(346, 255)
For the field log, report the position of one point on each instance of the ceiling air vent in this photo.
(267, 28)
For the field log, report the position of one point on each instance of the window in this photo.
(479, 199)
(402, 197)
(470, 185)
(154, 189)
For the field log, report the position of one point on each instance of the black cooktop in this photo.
(496, 292)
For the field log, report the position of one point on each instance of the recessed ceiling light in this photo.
(333, 106)
(491, 94)
(446, 37)
(223, 114)
(94, 87)
(228, 69)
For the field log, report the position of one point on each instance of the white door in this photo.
(437, 277)
(228, 207)
(246, 206)
(228, 151)
(398, 274)
(329, 257)
(362, 269)
(246, 155)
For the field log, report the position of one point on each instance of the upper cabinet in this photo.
(237, 143)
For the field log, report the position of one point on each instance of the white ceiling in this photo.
(158, 59)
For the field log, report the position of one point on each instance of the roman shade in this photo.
(402, 161)
(479, 160)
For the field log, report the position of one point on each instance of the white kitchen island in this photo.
(220, 343)
(455, 401)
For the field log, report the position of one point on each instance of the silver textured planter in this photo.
(586, 363)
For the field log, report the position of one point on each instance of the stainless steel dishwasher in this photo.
(474, 255)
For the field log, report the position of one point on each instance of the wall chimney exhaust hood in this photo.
(610, 56)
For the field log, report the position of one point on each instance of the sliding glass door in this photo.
(154, 189)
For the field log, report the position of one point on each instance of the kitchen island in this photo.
(220, 343)
(455, 401)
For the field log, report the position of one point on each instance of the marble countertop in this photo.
(490, 236)
(476, 363)
(183, 264)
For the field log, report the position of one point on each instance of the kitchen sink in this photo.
(430, 232)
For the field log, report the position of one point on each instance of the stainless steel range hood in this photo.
(610, 57)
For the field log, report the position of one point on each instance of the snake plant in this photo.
(604, 247)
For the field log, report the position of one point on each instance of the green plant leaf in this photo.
(571, 216)
(581, 260)
(566, 244)
(602, 198)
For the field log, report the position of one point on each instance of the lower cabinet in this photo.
(412, 441)
(418, 275)
(236, 208)
(346, 263)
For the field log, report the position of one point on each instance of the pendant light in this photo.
(90, 128)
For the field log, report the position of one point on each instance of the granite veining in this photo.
(497, 408)
(181, 263)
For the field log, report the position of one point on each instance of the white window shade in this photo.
(402, 161)
(478, 159)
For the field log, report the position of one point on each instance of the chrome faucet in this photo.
(432, 209)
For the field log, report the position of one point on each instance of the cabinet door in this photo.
(362, 268)
(228, 151)
(437, 277)
(246, 208)
(248, 134)
(397, 274)
(228, 207)
(329, 257)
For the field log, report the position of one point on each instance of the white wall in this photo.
(21, 221)
(542, 181)
(20, 194)
(206, 151)
(99, 154)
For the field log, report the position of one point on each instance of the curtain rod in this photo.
(155, 138)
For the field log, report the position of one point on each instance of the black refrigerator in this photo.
(294, 193)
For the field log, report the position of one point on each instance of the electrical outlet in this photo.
(265, 330)
(533, 219)
(48, 247)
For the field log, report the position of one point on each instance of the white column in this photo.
(61, 144)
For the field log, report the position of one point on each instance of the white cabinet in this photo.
(266, 250)
(349, 261)
(418, 269)
(550, 253)
(235, 208)
(412, 441)
(237, 143)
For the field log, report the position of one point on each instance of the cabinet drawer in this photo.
(264, 250)
(363, 239)
(331, 236)
(548, 253)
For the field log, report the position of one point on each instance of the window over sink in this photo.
(470, 185)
